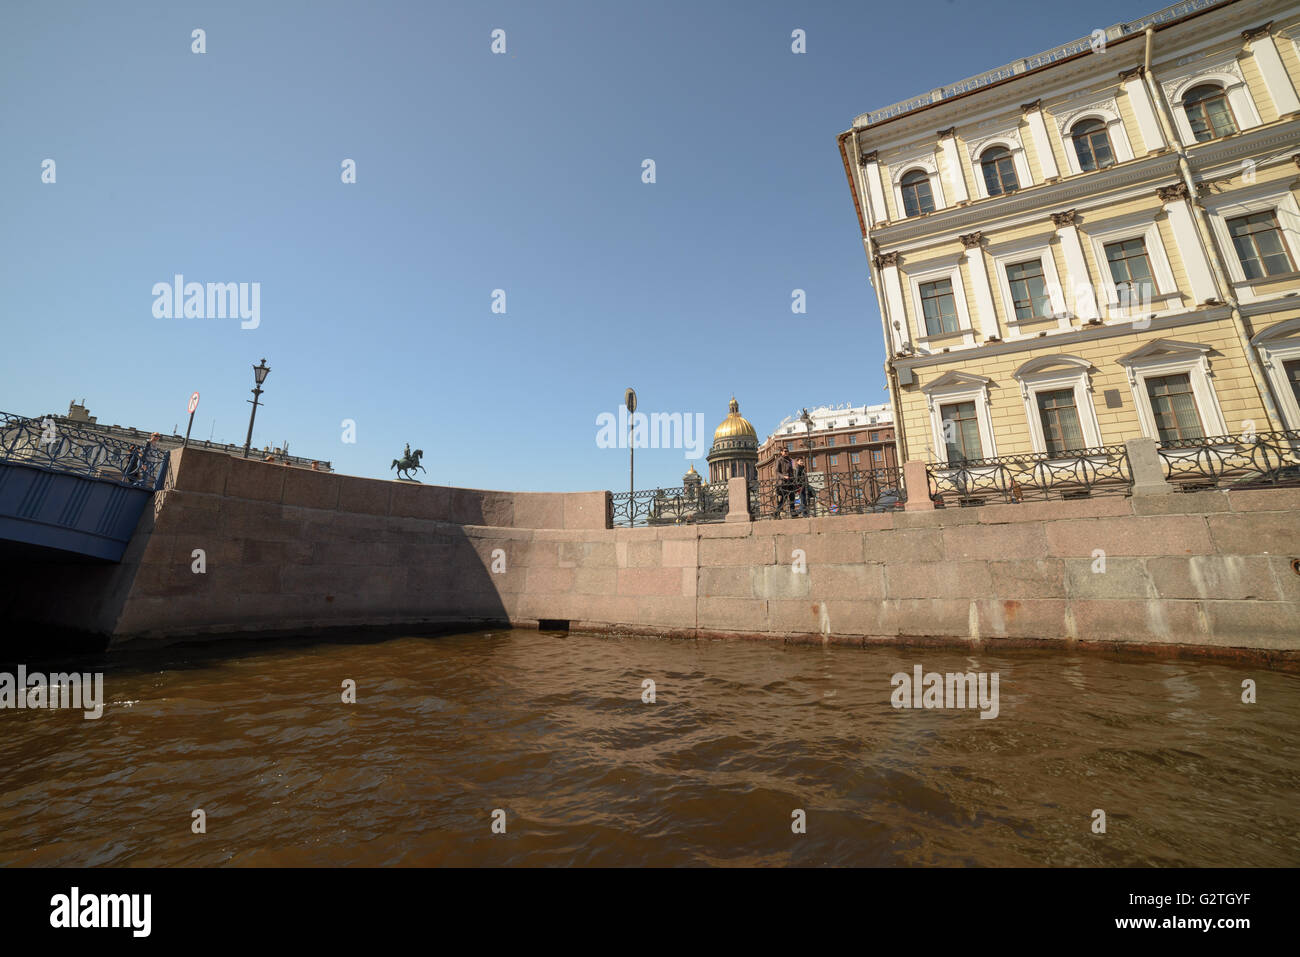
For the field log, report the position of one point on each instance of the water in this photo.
(552, 730)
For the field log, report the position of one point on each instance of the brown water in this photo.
(552, 730)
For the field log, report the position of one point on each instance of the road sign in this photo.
(194, 404)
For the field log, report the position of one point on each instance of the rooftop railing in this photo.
(1016, 67)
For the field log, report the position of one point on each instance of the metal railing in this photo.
(1016, 67)
(45, 444)
(1080, 473)
(686, 505)
(1248, 460)
(839, 493)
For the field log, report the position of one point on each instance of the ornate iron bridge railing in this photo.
(685, 505)
(45, 444)
(1079, 473)
(1248, 460)
(839, 493)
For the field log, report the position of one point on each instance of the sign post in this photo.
(194, 404)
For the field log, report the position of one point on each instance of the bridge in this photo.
(68, 492)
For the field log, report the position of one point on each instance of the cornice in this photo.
(1082, 334)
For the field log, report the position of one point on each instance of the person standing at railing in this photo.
(785, 483)
(803, 487)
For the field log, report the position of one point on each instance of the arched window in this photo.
(917, 197)
(999, 171)
(1207, 110)
(1092, 145)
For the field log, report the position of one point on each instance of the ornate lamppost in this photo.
(260, 373)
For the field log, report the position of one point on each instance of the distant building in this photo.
(735, 448)
(79, 417)
(834, 439)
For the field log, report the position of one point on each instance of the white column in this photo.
(1038, 129)
(1139, 100)
(875, 192)
(986, 317)
(1080, 297)
(1274, 73)
(1188, 241)
(952, 159)
(887, 263)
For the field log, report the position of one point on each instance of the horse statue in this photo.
(409, 461)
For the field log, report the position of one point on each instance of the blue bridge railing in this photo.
(46, 444)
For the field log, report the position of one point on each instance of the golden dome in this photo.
(691, 471)
(734, 425)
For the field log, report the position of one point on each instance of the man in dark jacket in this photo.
(803, 487)
(785, 484)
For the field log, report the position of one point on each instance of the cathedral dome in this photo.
(734, 425)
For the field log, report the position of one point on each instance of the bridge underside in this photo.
(48, 515)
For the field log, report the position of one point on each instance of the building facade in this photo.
(79, 417)
(1095, 243)
(833, 439)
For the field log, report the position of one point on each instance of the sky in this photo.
(521, 171)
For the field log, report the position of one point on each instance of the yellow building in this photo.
(1095, 243)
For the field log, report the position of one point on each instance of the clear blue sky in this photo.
(474, 172)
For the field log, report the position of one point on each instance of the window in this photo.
(917, 197)
(1207, 111)
(939, 307)
(1258, 241)
(814, 461)
(1174, 407)
(875, 437)
(877, 456)
(1092, 145)
(830, 440)
(854, 458)
(789, 446)
(961, 432)
(1130, 268)
(1292, 371)
(835, 460)
(999, 171)
(1029, 290)
(853, 440)
(1060, 419)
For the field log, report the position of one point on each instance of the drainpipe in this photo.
(1218, 264)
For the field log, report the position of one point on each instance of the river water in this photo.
(551, 731)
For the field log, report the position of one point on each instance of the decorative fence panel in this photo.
(1248, 460)
(686, 505)
(1041, 476)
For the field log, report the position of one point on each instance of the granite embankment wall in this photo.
(288, 549)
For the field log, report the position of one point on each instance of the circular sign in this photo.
(194, 403)
(630, 398)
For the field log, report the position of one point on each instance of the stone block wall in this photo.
(293, 550)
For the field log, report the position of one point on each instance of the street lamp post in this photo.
(807, 489)
(259, 373)
(629, 399)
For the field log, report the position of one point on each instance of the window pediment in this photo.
(1160, 350)
(954, 380)
(1046, 365)
(1282, 333)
